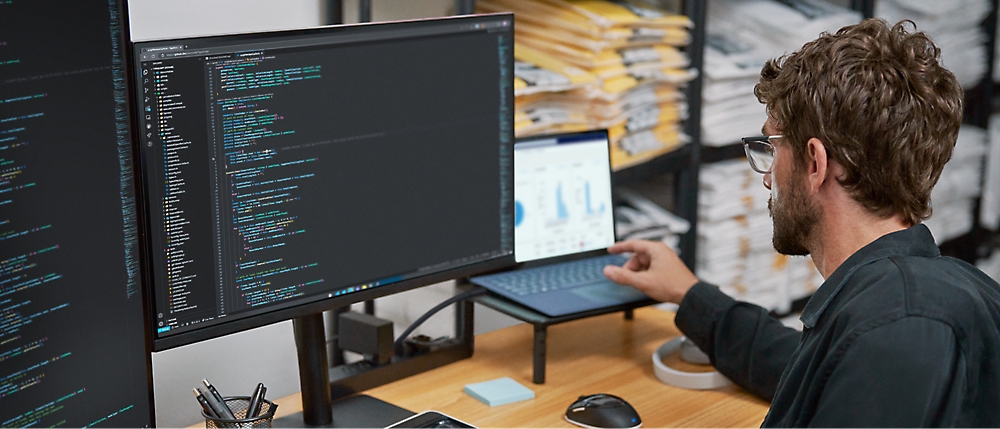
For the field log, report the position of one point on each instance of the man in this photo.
(860, 125)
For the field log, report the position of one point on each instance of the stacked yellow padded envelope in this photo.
(621, 70)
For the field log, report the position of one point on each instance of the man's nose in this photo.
(767, 181)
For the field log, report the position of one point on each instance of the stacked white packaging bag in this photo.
(989, 211)
(637, 217)
(742, 35)
(955, 28)
(734, 248)
(954, 196)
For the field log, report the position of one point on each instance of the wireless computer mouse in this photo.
(602, 411)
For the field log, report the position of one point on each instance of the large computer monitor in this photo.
(72, 334)
(287, 173)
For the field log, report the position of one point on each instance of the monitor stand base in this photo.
(360, 411)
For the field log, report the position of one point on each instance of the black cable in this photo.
(398, 345)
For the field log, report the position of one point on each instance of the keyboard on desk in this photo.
(562, 288)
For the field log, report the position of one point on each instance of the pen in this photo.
(212, 390)
(204, 403)
(217, 403)
(256, 401)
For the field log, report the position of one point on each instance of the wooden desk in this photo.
(604, 354)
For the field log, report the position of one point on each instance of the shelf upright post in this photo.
(866, 7)
(333, 12)
(978, 102)
(465, 7)
(686, 191)
(364, 10)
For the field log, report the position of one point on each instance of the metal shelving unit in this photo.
(684, 164)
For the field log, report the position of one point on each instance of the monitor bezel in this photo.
(310, 306)
(602, 132)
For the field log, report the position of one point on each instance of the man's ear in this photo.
(817, 165)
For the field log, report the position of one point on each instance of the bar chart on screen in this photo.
(560, 207)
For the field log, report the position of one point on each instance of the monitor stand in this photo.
(361, 411)
(351, 409)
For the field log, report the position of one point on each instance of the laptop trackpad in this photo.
(609, 293)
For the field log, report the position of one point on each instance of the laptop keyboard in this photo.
(548, 278)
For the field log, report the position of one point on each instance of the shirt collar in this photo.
(914, 241)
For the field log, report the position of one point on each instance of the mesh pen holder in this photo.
(239, 405)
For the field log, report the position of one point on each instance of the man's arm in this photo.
(742, 340)
(907, 373)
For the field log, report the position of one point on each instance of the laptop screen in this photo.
(562, 193)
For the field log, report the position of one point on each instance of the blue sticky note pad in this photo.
(498, 392)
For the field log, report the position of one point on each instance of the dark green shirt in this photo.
(897, 336)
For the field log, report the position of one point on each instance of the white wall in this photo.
(236, 363)
(155, 19)
(391, 10)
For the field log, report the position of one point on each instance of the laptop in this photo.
(563, 224)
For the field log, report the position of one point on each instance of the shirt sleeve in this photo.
(742, 340)
(899, 374)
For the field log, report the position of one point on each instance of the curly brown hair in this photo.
(881, 103)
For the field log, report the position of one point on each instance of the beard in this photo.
(794, 218)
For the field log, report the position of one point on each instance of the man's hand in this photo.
(654, 269)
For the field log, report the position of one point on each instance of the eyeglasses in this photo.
(760, 152)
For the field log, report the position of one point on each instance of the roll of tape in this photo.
(682, 379)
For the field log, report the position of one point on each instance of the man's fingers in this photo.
(619, 275)
(634, 246)
(640, 250)
(638, 262)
